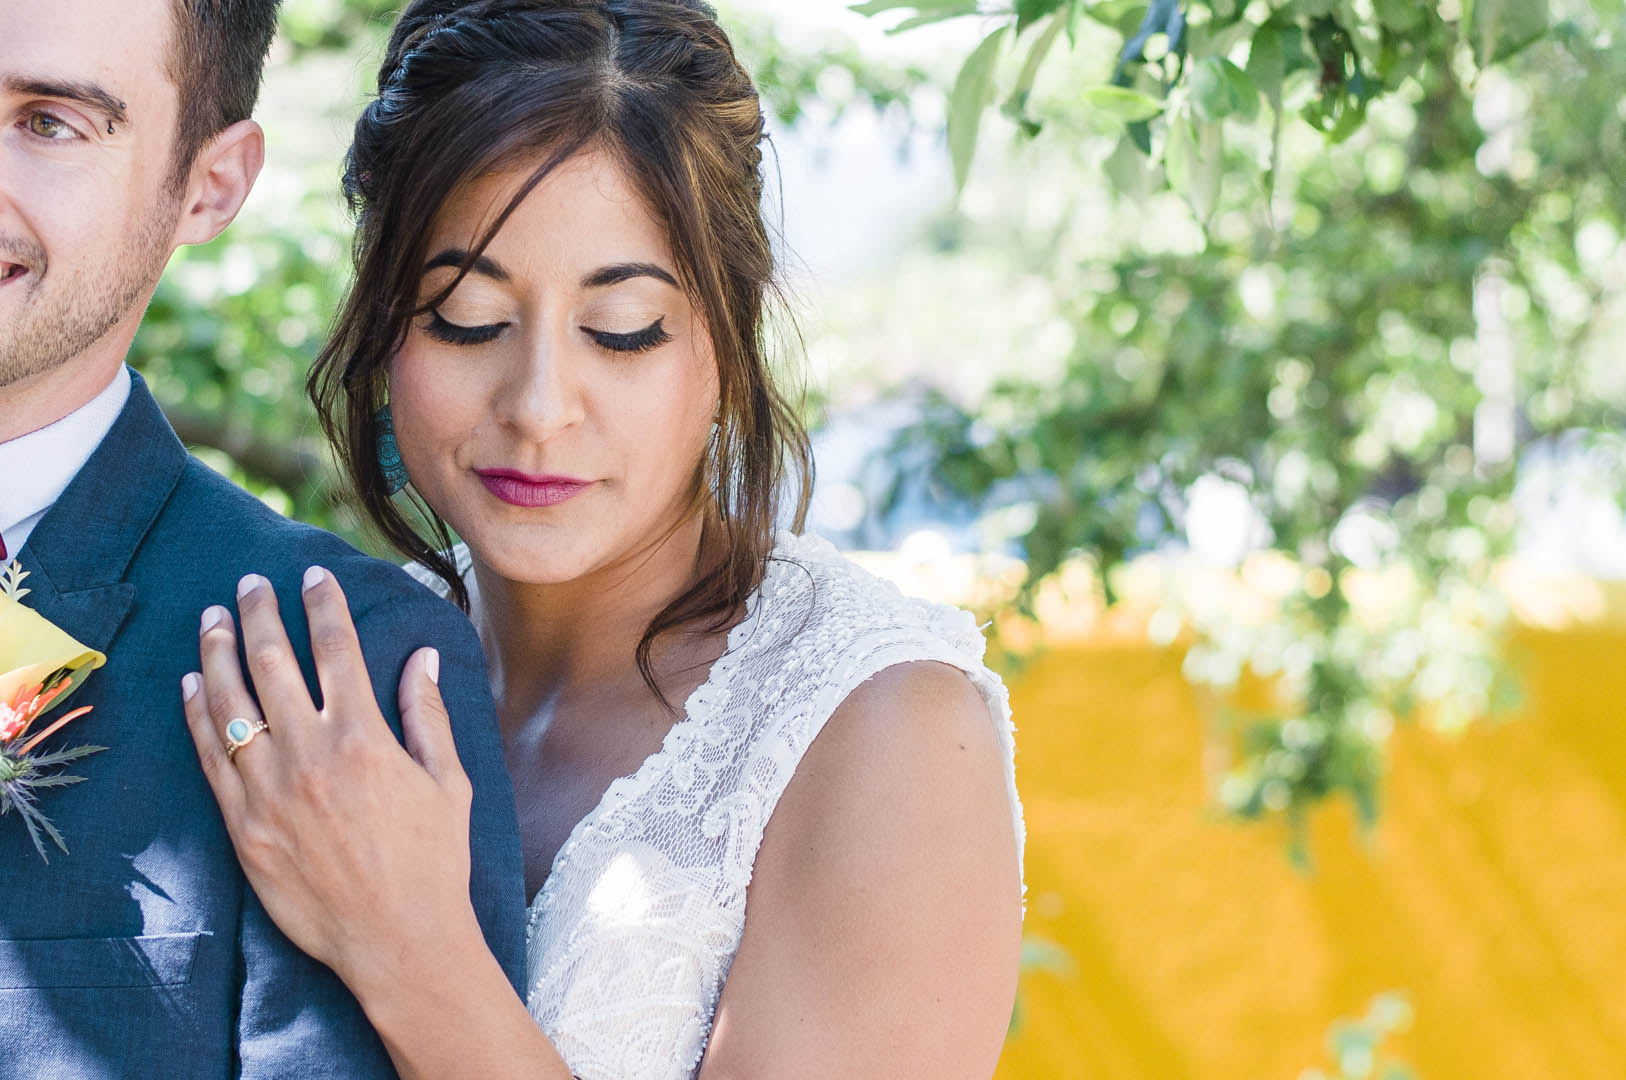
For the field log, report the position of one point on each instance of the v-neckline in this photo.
(619, 790)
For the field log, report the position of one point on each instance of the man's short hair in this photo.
(217, 53)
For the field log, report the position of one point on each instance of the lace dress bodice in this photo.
(634, 931)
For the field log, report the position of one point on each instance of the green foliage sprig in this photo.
(1197, 64)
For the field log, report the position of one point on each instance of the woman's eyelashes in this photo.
(453, 334)
(650, 337)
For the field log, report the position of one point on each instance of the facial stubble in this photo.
(64, 314)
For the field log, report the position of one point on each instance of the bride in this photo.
(768, 816)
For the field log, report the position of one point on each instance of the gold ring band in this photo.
(241, 732)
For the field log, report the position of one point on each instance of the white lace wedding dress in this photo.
(633, 933)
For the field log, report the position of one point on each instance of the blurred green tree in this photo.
(1394, 264)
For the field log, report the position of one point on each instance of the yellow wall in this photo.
(1493, 892)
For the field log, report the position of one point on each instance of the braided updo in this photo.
(468, 88)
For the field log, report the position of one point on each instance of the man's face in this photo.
(88, 118)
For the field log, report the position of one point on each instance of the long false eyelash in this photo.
(453, 334)
(650, 337)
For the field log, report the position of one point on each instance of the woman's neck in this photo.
(545, 642)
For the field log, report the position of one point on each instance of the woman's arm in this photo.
(883, 922)
(358, 848)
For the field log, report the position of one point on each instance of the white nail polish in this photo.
(431, 664)
(249, 584)
(190, 685)
(211, 619)
(314, 577)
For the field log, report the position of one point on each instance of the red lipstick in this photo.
(522, 489)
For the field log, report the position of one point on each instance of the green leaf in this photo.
(878, 7)
(1365, 38)
(1500, 29)
(1244, 91)
(1220, 89)
(1194, 160)
(973, 92)
(1017, 105)
(1267, 63)
(1127, 169)
(926, 11)
(1076, 11)
(1401, 16)
(932, 17)
(1029, 12)
(1218, 39)
(1127, 105)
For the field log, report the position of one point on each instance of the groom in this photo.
(124, 133)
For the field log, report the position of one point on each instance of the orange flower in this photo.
(28, 704)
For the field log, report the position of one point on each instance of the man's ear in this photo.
(220, 180)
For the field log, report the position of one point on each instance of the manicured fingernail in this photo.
(211, 618)
(314, 577)
(190, 685)
(431, 664)
(249, 583)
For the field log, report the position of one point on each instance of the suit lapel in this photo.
(80, 551)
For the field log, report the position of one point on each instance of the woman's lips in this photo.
(521, 489)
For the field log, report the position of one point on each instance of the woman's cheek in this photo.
(425, 410)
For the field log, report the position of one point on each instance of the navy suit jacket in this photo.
(143, 953)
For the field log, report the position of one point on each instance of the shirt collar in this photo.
(35, 469)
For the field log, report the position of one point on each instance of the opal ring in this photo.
(240, 732)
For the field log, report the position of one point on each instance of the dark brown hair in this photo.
(216, 59)
(470, 88)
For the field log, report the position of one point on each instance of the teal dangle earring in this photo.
(389, 452)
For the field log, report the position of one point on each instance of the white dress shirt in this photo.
(35, 469)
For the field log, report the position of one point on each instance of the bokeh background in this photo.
(1255, 369)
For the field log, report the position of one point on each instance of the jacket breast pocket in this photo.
(97, 963)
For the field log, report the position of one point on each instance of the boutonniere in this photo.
(39, 667)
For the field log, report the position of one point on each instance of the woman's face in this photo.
(554, 408)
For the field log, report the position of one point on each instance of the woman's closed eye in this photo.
(456, 334)
(650, 337)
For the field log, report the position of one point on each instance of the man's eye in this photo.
(47, 126)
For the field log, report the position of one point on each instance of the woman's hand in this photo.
(358, 848)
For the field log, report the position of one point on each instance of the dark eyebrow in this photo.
(88, 94)
(615, 275)
(457, 257)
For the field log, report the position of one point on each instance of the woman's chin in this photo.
(536, 560)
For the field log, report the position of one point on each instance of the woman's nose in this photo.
(545, 396)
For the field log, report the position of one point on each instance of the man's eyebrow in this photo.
(614, 275)
(88, 94)
(457, 257)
